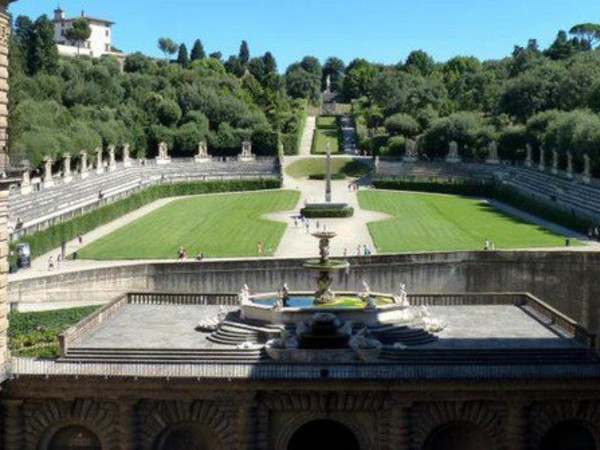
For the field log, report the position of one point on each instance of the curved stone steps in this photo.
(404, 335)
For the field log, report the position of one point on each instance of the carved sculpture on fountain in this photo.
(246, 154)
(163, 154)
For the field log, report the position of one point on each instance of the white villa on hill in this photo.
(99, 44)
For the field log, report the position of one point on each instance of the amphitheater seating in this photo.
(44, 207)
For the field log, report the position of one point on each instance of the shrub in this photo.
(317, 212)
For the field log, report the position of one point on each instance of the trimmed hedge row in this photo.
(291, 141)
(324, 213)
(321, 176)
(51, 238)
(502, 193)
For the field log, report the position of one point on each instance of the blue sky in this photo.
(379, 30)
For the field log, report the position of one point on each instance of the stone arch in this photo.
(546, 416)
(319, 434)
(458, 436)
(188, 435)
(74, 437)
(157, 417)
(569, 435)
(43, 421)
(429, 418)
(284, 436)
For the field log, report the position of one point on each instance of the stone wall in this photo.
(566, 280)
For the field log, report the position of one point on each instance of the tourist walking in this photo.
(50, 263)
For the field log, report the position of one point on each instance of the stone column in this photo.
(542, 164)
(554, 162)
(529, 157)
(26, 183)
(569, 165)
(99, 168)
(587, 169)
(13, 424)
(48, 180)
(126, 156)
(84, 164)
(112, 162)
(246, 152)
(67, 178)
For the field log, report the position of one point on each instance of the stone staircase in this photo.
(178, 355)
(405, 335)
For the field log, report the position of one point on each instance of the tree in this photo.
(79, 32)
(589, 32)
(43, 53)
(244, 55)
(198, 52)
(334, 69)
(216, 55)
(270, 63)
(359, 79)
(562, 48)
(312, 65)
(167, 46)
(419, 62)
(301, 84)
(402, 124)
(182, 58)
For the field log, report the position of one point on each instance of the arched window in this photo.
(569, 435)
(320, 434)
(74, 438)
(188, 436)
(458, 436)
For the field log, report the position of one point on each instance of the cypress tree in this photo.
(198, 52)
(182, 58)
(244, 56)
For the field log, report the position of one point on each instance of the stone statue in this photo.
(587, 169)
(328, 84)
(410, 154)
(246, 151)
(202, 152)
(67, 178)
(244, 295)
(48, 179)
(529, 157)
(365, 293)
(163, 154)
(554, 162)
(493, 153)
(569, 165)
(112, 162)
(84, 164)
(99, 168)
(402, 297)
(26, 187)
(126, 156)
(542, 164)
(453, 155)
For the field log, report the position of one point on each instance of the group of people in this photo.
(353, 187)
(182, 254)
(55, 264)
(301, 221)
(363, 250)
(489, 245)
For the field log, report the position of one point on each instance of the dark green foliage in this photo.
(402, 124)
(35, 334)
(334, 69)
(183, 58)
(244, 54)
(44, 241)
(327, 212)
(198, 52)
(420, 63)
(167, 46)
(79, 32)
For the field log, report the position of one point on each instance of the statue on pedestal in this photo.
(99, 168)
(84, 164)
(26, 187)
(246, 151)
(453, 155)
(48, 180)
(554, 162)
(542, 164)
(493, 153)
(112, 162)
(126, 156)
(202, 155)
(529, 157)
(587, 169)
(163, 154)
(67, 178)
(410, 154)
(569, 165)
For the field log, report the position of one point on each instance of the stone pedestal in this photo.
(26, 183)
(202, 155)
(246, 154)
(126, 156)
(163, 154)
(112, 162)
(99, 167)
(84, 164)
(410, 155)
(529, 157)
(453, 155)
(554, 162)
(67, 178)
(493, 154)
(48, 180)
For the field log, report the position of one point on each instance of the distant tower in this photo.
(59, 14)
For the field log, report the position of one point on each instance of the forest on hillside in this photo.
(541, 97)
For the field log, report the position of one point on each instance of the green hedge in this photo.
(51, 238)
(502, 193)
(323, 213)
(291, 141)
(321, 176)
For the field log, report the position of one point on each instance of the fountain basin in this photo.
(302, 307)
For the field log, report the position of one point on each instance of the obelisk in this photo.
(328, 175)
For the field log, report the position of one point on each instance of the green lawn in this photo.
(316, 166)
(217, 225)
(434, 222)
(326, 132)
